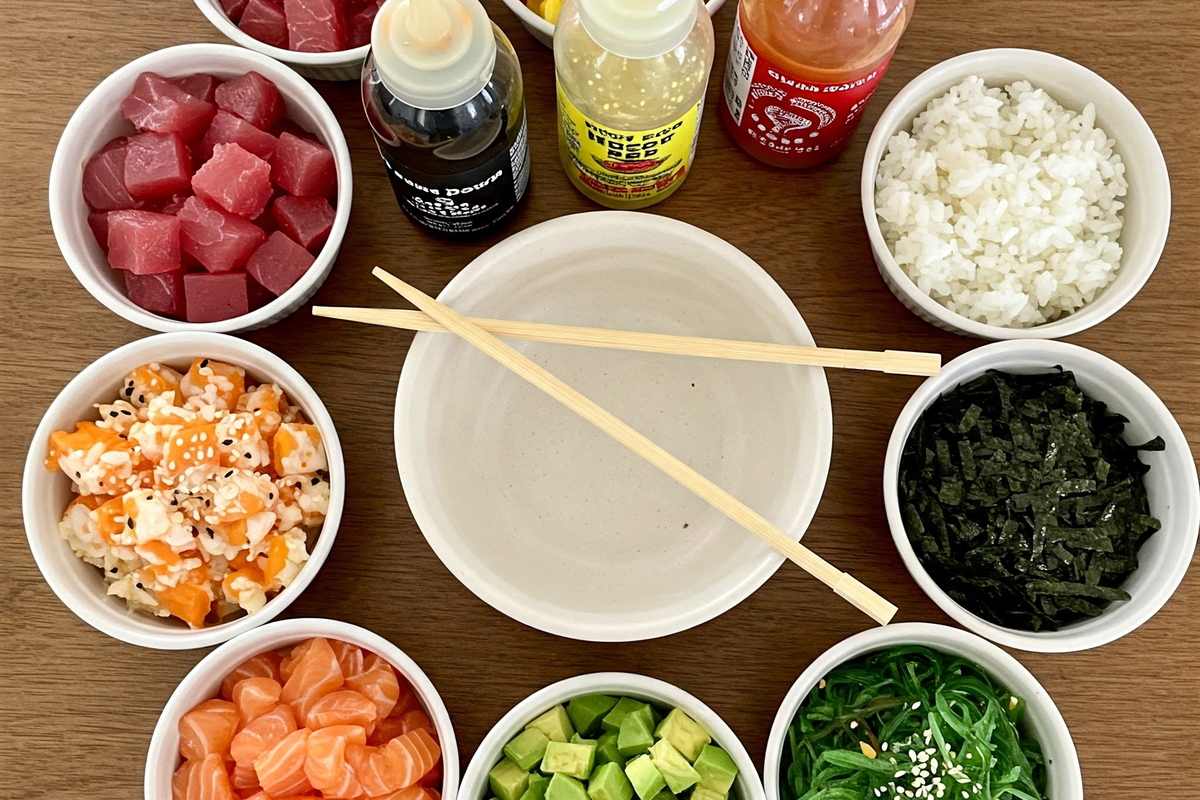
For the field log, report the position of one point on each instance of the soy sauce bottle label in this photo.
(464, 202)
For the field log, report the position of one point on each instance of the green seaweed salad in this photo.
(1023, 501)
(910, 723)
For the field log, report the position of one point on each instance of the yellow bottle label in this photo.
(626, 168)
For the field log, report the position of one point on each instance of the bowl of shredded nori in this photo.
(917, 711)
(1042, 495)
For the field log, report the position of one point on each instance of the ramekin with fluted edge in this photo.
(1171, 485)
(98, 120)
(341, 65)
(475, 780)
(44, 494)
(541, 28)
(204, 683)
(1147, 214)
(1042, 719)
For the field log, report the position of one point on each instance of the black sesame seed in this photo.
(315, 481)
(112, 569)
(131, 522)
(227, 442)
(270, 495)
(129, 391)
(209, 531)
(248, 455)
(141, 398)
(77, 475)
(126, 412)
(139, 585)
(204, 363)
(229, 474)
(112, 413)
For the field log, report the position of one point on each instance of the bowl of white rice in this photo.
(1014, 194)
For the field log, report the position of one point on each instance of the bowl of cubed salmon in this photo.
(325, 40)
(304, 708)
(201, 187)
(182, 490)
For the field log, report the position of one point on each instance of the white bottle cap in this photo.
(639, 28)
(433, 54)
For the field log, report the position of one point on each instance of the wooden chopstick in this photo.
(895, 362)
(842, 583)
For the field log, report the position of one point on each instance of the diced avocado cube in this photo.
(680, 775)
(587, 711)
(564, 787)
(635, 735)
(624, 707)
(508, 781)
(608, 782)
(537, 788)
(704, 793)
(570, 759)
(527, 748)
(555, 724)
(646, 779)
(607, 750)
(577, 739)
(685, 733)
(716, 769)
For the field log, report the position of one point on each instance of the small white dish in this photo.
(475, 780)
(1171, 485)
(98, 120)
(546, 518)
(1042, 718)
(44, 494)
(543, 30)
(1147, 214)
(204, 683)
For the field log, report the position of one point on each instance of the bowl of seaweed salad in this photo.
(1042, 495)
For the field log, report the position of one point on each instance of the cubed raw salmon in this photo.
(157, 164)
(279, 263)
(220, 241)
(235, 179)
(315, 26)
(156, 104)
(161, 293)
(264, 21)
(143, 242)
(303, 167)
(306, 220)
(212, 297)
(253, 98)
(228, 128)
(104, 179)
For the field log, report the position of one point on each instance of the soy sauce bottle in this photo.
(442, 91)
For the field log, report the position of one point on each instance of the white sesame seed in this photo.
(853, 725)
(916, 705)
(900, 774)
(885, 746)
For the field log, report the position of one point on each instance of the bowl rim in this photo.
(620, 683)
(43, 542)
(927, 86)
(277, 634)
(302, 93)
(420, 504)
(216, 15)
(1049, 352)
(936, 637)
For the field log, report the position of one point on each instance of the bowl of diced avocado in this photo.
(611, 736)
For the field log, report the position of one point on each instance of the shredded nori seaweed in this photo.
(1023, 501)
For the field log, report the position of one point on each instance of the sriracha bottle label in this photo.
(787, 115)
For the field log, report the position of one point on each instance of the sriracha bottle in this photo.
(800, 73)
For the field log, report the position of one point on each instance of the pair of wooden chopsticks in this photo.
(440, 317)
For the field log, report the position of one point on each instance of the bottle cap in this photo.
(433, 54)
(638, 28)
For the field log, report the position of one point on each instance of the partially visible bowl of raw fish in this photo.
(542, 29)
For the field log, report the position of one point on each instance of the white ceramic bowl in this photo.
(98, 120)
(1171, 484)
(546, 518)
(342, 65)
(1042, 718)
(204, 683)
(45, 494)
(1148, 205)
(475, 780)
(542, 30)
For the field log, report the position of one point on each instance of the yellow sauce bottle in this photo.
(631, 81)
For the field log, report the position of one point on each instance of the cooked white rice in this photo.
(1002, 205)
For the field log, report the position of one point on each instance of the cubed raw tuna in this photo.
(253, 98)
(315, 26)
(359, 24)
(157, 164)
(160, 294)
(198, 85)
(306, 220)
(236, 180)
(104, 179)
(213, 297)
(258, 294)
(229, 128)
(279, 263)
(156, 104)
(219, 240)
(143, 242)
(303, 167)
(98, 222)
(264, 21)
(168, 205)
(233, 8)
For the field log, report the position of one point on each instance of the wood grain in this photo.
(78, 708)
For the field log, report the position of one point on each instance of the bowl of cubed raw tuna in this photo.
(321, 39)
(202, 187)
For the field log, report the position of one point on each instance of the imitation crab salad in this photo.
(196, 494)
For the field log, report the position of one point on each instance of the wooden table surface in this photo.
(77, 708)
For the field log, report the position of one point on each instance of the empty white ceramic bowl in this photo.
(204, 683)
(342, 65)
(546, 518)
(45, 494)
(1147, 213)
(1171, 485)
(1042, 719)
(475, 780)
(542, 30)
(98, 120)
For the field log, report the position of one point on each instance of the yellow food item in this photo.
(550, 9)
